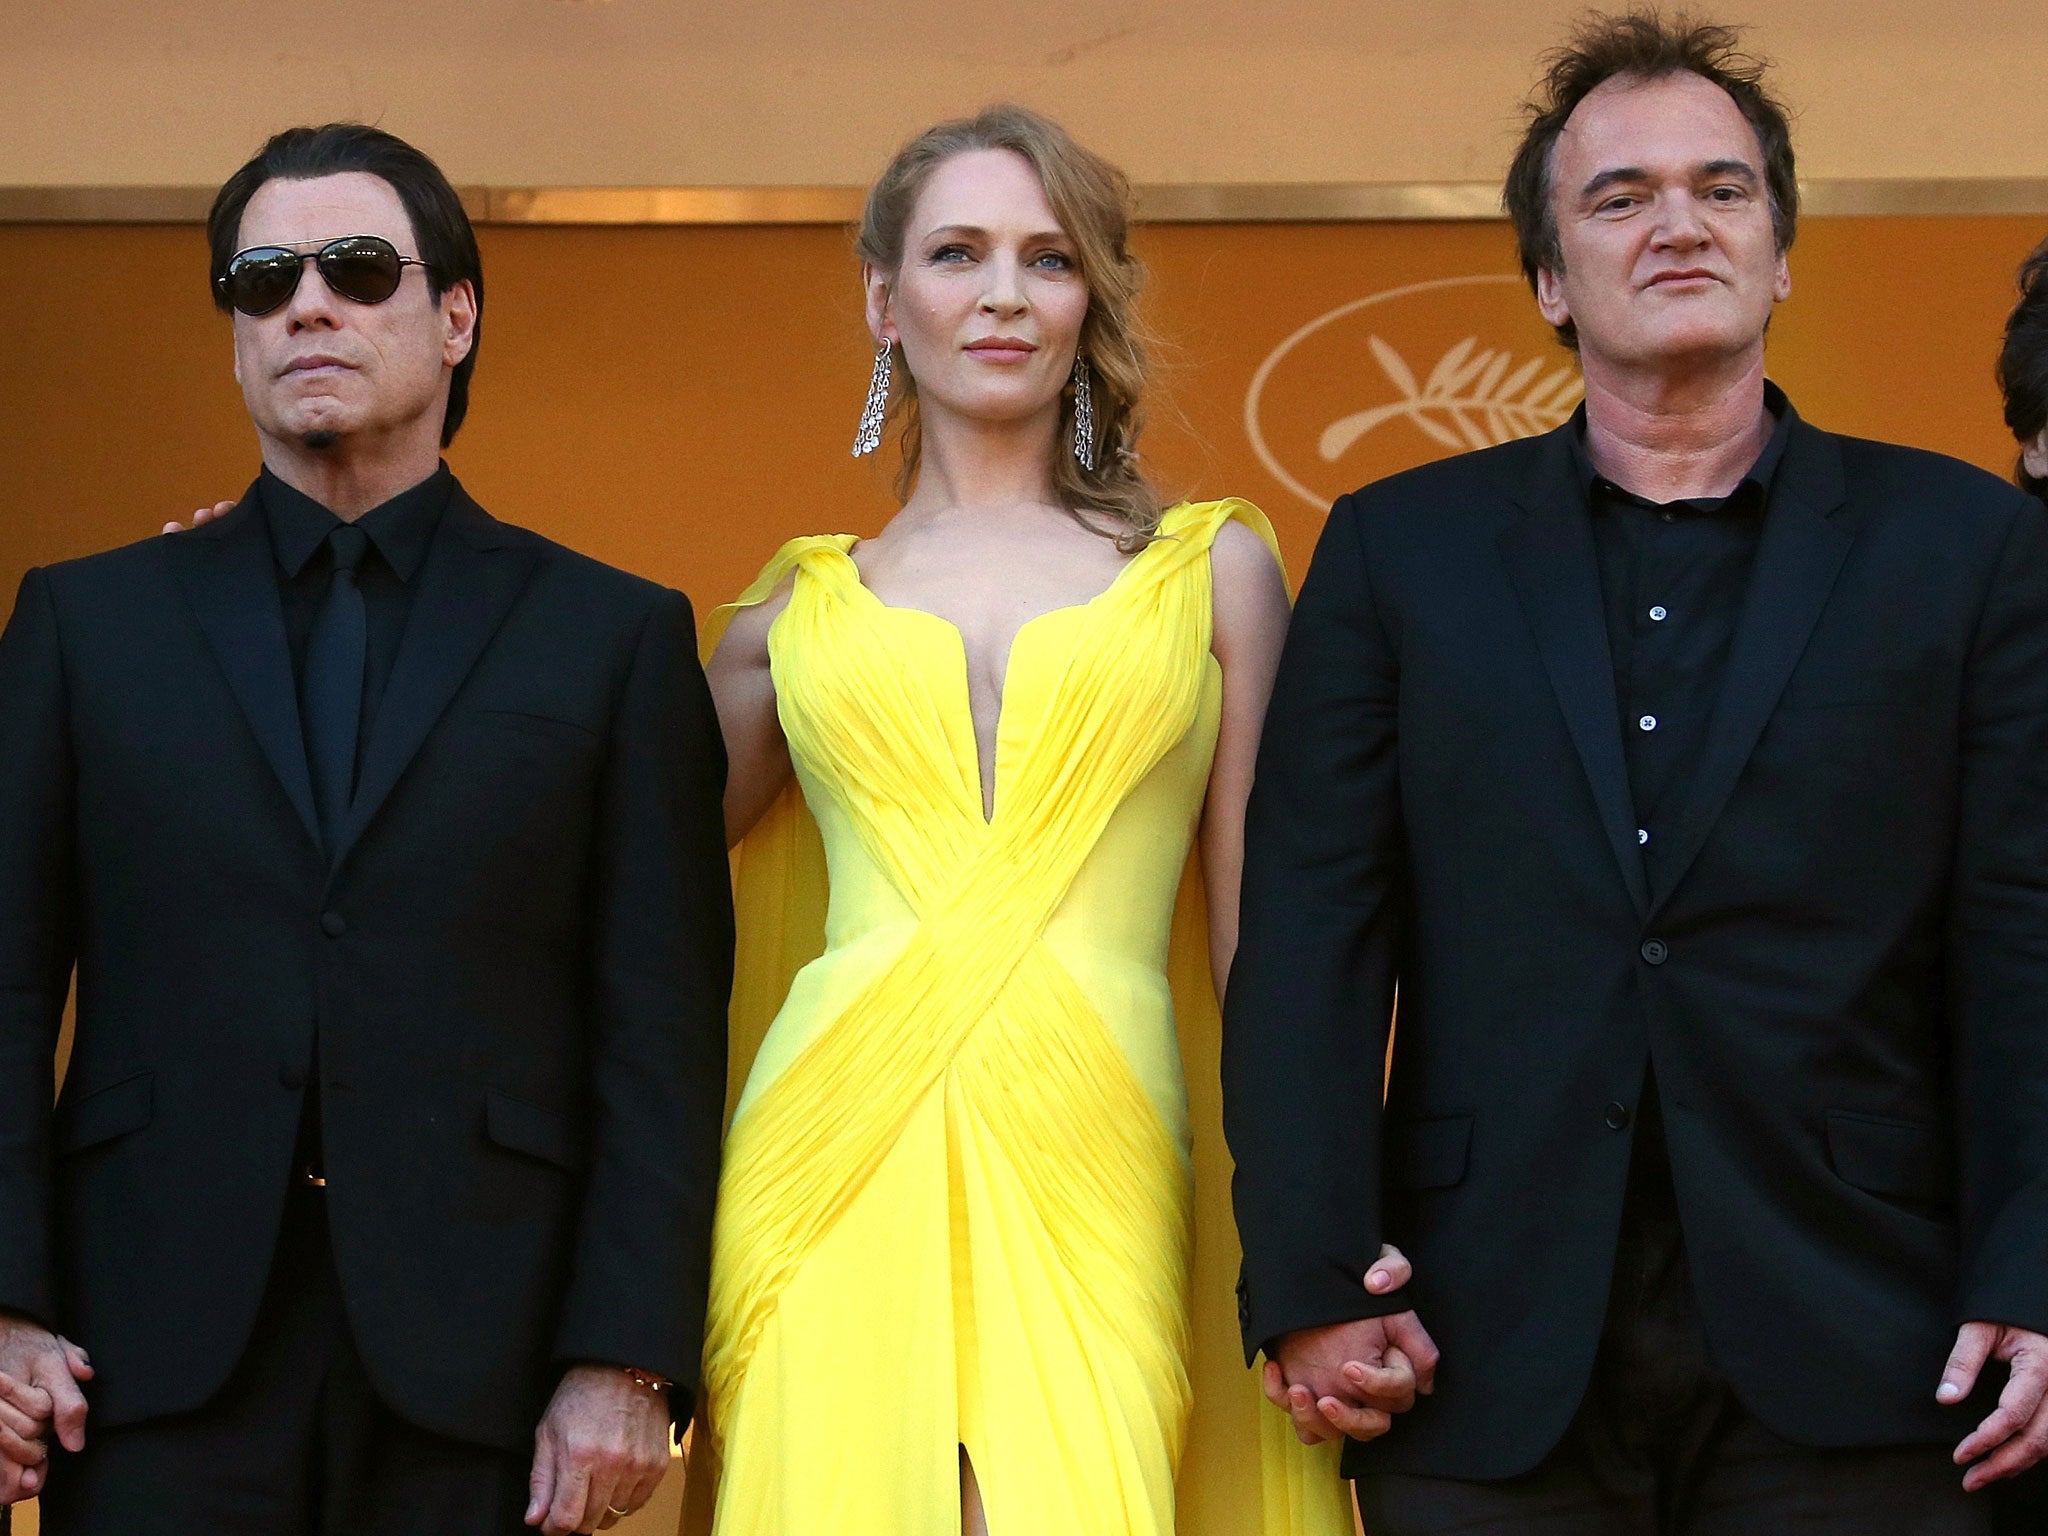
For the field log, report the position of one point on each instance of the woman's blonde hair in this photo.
(1092, 201)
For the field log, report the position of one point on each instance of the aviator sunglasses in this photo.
(366, 268)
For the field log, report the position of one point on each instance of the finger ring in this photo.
(613, 1509)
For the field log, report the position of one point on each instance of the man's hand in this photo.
(599, 1453)
(24, 1413)
(41, 1373)
(1350, 1379)
(203, 515)
(2015, 1433)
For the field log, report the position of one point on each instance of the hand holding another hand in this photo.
(39, 1378)
(599, 1453)
(1350, 1379)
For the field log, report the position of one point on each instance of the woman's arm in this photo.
(1250, 626)
(743, 689)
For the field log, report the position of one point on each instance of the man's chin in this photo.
(319, 439)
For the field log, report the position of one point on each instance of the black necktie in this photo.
(332, 692)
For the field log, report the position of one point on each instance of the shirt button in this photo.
(1616, 1116)
(1668, 517)
(1642, 836)
(1648, 722)
(1660, 613)
(333, 924)
(1656, 951)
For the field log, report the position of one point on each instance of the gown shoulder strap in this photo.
(813, 551)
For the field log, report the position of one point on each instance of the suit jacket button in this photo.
(1656, 951)
(1616, 1116)
(333, 924)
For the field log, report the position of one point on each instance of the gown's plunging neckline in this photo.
(988, 775)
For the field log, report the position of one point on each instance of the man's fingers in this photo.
(600, 1498)
(1358, 1423)
(67, 1404)
(2022, 1451)
(1310, 1427)
(1974, 1343)
(1275, 1385)
(540, 1482)
(1389, 1388)
(21, 1449)
(76, 1360)
(1405, 1332)
(1390, 1272)
(572, 1490)
(28, 1425)
(2019, 1408)
(33, 1401)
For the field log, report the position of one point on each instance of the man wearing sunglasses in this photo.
(384, 841)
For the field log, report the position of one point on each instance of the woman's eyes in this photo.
(1050, 261)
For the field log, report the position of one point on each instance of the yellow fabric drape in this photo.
(975, 1025)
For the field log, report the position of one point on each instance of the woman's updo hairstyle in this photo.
(1092, 201)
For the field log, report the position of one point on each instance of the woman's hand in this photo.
(203, 515)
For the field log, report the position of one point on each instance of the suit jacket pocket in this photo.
(522, 1127)
(105, 1113)
(1428, 1154)
(1898, 1159)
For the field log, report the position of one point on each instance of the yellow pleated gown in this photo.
(957, 1202)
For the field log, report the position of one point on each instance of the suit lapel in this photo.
(471, 577)
(230, 581)
(1550, 559)
(1803, 547)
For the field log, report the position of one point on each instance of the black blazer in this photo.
(517, 963)
(1843, 985)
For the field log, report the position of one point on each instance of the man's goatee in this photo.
(321, 438)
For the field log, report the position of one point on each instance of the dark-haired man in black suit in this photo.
(1687, 769)
(385, 842)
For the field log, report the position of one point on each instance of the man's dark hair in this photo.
(1640, 45)
(2023, 363)
(447, 244)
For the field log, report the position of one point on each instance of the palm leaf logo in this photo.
(1470, 400)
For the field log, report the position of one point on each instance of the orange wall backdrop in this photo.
(680, 400)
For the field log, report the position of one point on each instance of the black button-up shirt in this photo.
(1673, 577)
(1672, 580)
(399, 531)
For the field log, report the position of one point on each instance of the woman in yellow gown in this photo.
(950, 1281)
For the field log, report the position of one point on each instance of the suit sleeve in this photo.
(1311, 990)
(1998, 944)
(36, 937)
(661, 946)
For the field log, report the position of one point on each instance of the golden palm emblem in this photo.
(1473, 398)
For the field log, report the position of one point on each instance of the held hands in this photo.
(203, 515)
(1350, 1379)
(2015, 1433)
(599, 1453)
(39, 1377)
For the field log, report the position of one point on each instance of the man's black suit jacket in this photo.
(1843, 984)
(517, 962)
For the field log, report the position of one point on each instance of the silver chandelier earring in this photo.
(869, 437)
(1084, 414)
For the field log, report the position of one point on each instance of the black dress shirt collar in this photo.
(1753, 494)
(400, 529)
